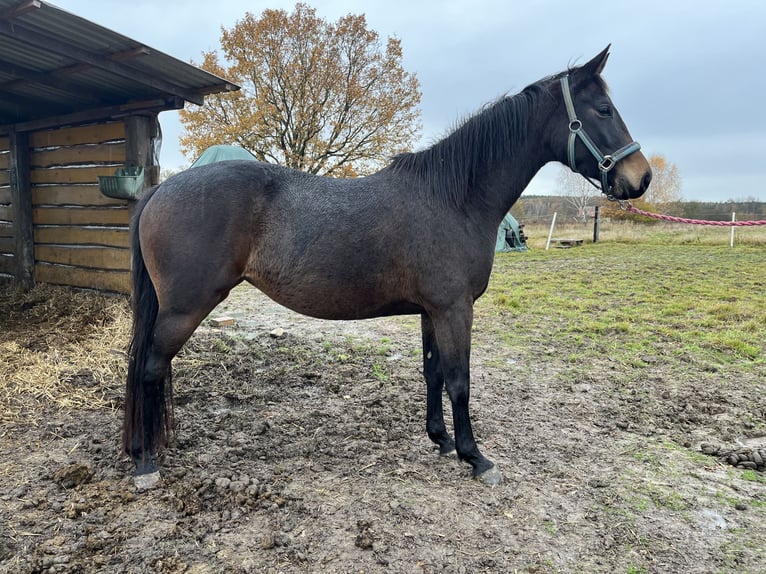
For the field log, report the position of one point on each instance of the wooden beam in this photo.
(7, 245)
(78, 135)
(85, 216)
(108, 112)
(69, 176)
(79, 195)
(112, 154)
(20, 9)
(140, 132)
(90, 257)
(21, 201)
(118, 281)
(7, 265)
(131, 54)
(73, 235)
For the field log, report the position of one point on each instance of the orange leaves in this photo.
(666, 181)
(317, 96)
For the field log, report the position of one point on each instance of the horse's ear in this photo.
(596, 65)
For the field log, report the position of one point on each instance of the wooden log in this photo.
(6, 230)
(5, 177)
(5, 195)
(86, 195)
(7, 245)
(118, 281)
(70, 175)
(5, 160)
(7, 264)
(93, 257)
(92, 134)
(6, 212)
(113, 154)
(81, 216)
(72, 235)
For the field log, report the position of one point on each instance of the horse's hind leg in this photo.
(172, 329)
(432, 371)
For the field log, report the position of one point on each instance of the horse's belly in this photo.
(339, 307)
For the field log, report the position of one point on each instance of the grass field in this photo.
(649, 289)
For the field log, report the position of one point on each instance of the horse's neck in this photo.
(502, 185)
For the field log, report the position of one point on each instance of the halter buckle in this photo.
(607, 163)
(575, 126)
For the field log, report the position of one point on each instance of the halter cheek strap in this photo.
(605, 161)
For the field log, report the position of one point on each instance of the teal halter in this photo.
(605, 162)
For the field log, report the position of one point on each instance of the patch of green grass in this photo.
(753, 476)
(220, 346)
(625, 301)
(550, 527)
(380, 372)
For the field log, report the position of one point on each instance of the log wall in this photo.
(80, 235)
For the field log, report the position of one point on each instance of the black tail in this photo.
(148, 419)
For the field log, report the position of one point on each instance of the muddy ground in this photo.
(306, 452)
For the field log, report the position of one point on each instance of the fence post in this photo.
(733, 219)
(596, 224)
(550, 233)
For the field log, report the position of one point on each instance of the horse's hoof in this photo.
(449, 453)
(491, 476)
(147, 481)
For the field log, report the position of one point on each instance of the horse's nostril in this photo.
(646, 181)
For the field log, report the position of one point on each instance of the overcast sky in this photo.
(689, 77)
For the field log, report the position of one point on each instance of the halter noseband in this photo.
(605, 162)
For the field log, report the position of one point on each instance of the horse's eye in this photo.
(605, 110)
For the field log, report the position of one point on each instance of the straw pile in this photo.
(60, 348)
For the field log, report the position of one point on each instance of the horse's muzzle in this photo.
(632, 177)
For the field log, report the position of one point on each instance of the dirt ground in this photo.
(300, 447)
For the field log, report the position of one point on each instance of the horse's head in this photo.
(597, 144)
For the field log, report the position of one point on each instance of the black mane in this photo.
(448, 168)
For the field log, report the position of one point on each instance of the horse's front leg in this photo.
(453, 334)
(432, 371)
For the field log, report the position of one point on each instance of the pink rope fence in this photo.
(674, 219)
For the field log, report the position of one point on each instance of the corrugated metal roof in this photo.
(55, 64)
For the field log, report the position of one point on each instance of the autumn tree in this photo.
(321, 97)
(666, 182)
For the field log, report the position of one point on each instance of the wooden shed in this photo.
(77, 101)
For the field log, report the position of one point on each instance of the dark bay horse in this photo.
(417, 237)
